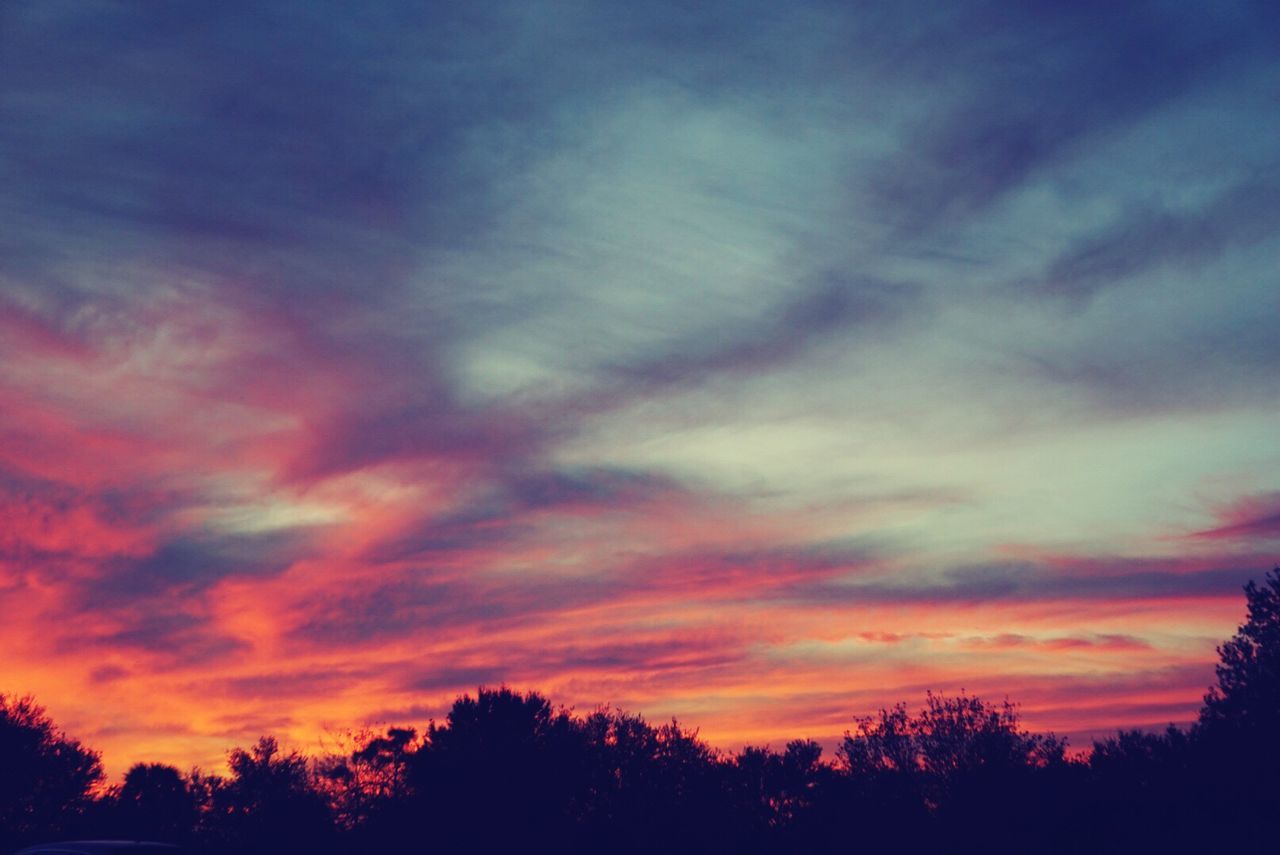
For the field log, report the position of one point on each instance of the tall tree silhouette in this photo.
(1238, 735)
(46, 777)
(1247, 697)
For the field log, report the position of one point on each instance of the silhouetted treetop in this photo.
(949, 736)
(155, 802)
(370, 775)
(1247, 697)
(270, 802)
(44, 774)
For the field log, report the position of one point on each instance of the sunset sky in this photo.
(758, 364)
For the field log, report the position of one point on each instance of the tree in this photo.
(950, 743)
(46, 778)
(652, 788)
(1237, 739)
(948, 739)
(156, 803)
(1137, 765)
(504, 765)
(270, 804)
(1247, 697)
(773, 791)
(958, 769)
(371, 776)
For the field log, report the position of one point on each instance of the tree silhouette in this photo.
(1237, 739)
(950, 739)
(269, 804)
(155, 802)
(956, 766)
(652, 788)
(1247, 697)
(503, 765)
(371, 776)
(46, 778)
(774, 795)
(1136, 765)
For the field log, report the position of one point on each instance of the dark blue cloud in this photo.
(169, 636)
(155, 606)
(1118, 579)
(456, 677)
(187, 566)
(502, 513)
(860, 308)
(1028, 85)
(1156, 239)
(588, 487)
(425, 601)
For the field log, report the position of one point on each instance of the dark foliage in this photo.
(269, 804)
(507, 771)
(365, 782)
(1246, 702)
(46, 778)
(155, 802)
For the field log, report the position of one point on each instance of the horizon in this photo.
(757, 367)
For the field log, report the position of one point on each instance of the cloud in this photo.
(855, 307)
(1242, 215)
(461, 678)
(172, 638)
(285, 685)
(187, 566)
(1064, 579)
(49, 523)
(1021, 108)
(1117, 642)
(421, 602)
(1250, 518)
(590, 489)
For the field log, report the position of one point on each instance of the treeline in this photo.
(507, 771)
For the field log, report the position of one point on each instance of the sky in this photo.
(757, 364)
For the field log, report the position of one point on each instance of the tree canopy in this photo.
(1247, 697)
(46, 778)
(510, 770)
